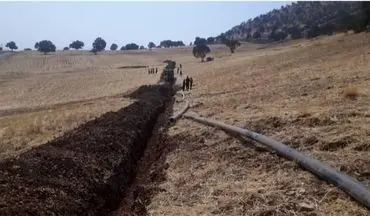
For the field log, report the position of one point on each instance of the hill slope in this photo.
(298, 19)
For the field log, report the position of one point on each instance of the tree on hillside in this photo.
(200, 51)
(151, 45)
(45, 46)
(302, 17)
(132, 46)
(231, 44)
(141, 47)
(76, 45)
(295, 32)
(278, 35)
(66, 48)
(199, 41)
(256, 35)
(98, 45)
(113, 47)
(11, 45)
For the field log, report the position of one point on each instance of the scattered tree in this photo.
(200, 51)
(123, 48)
(132, 46)
(141, 47)
(170, 43)
(199, 41)
(210, 40)
(27, 49)
(113, 47)
(45, 46)
(36, 46)
(98, 45)
(151, 45)
(66, 48)
(77, 45)
(232, 44)
(1, 49)
(11, 45)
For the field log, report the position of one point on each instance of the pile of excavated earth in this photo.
(86, 170)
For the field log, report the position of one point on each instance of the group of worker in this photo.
(187, 83)
(152, 70)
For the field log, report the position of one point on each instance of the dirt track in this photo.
(85, 171)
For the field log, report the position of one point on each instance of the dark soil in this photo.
(133, 67)
(85, 171)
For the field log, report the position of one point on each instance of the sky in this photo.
(122, 22)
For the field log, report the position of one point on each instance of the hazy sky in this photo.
(121, 22)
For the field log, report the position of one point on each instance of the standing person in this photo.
(180, 66)
(181, 73)
(187, 83)
(191, 82)
(148, 70)
(156, 70)
(183, 85)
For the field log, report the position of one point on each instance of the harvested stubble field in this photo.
(43, 96)
(311, 94)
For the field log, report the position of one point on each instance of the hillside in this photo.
(303, 19)
(296, 93)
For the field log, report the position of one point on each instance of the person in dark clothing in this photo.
(183, 85)
(181, 73)
(178, 70)
(187, 80)
(180, 66)
(149, 71)
(156, 70)
(191, 82)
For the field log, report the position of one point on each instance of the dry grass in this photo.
(351, 92)
(42, 96)
(293, 93)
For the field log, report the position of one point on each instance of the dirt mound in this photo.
(132, 67)
(85, 171)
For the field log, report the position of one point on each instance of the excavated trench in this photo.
(90, 170)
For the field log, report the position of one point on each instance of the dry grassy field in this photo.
(311, 94)
(42, 96)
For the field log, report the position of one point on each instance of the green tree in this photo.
(231, 44)
(199, 41)
(11, 45)
(256, 35)
(151, 45)
(45, 46)
(200, 51)
(210, 40)
(77, 45)
(113, 47)
(98, 45)
(132, 46)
